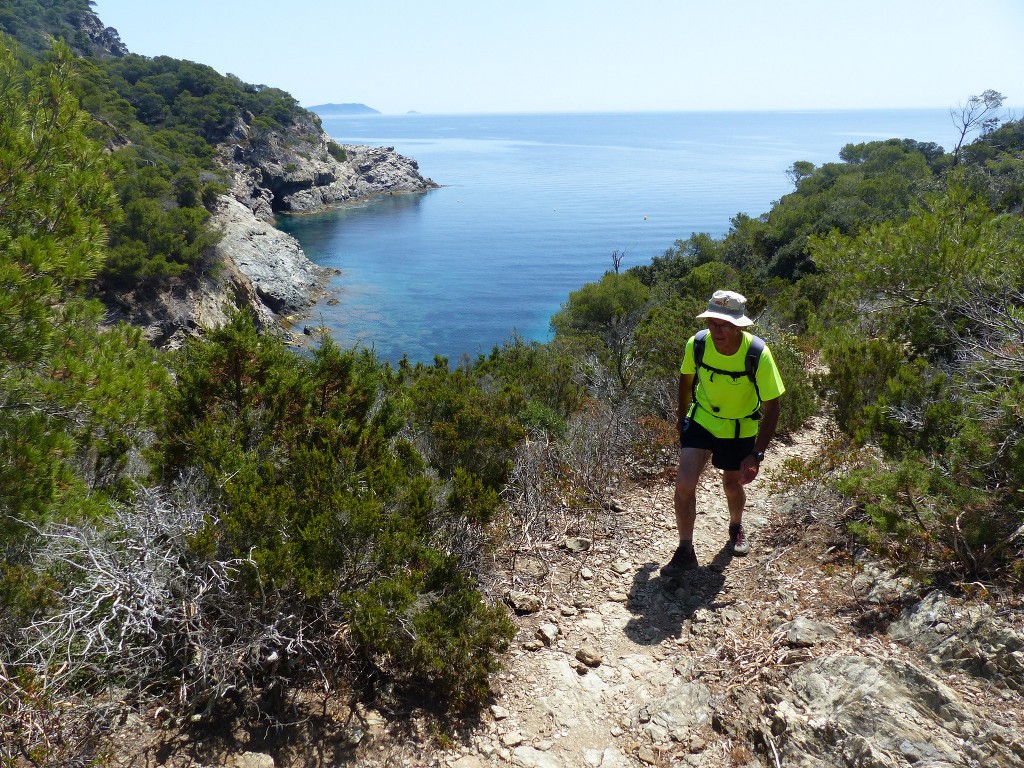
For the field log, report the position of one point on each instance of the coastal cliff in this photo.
(254, 264)
(273, 157)
(303, 169)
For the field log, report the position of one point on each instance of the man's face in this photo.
(724, 334)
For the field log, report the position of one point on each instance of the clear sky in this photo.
(466, 56)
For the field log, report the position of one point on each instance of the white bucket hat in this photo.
(729, 306)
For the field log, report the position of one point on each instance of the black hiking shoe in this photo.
(738, 542)
(684, 559)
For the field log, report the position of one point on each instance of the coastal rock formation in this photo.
(186, 306)
(282, 278)
(304, 170)
(259, 266)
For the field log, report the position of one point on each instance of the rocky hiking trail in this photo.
(801, 654)
(797, 654)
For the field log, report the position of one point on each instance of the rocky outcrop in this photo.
(255, 264)
(973, 639)
(282, 278)
(186, 306)
(96, 39)
(854, 710)
(75, 23)
(303, 170)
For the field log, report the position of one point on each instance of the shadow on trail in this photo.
(660, 605)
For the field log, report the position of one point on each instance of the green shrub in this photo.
(77, 397)
(543, 373)
(930, 522)
(600, 319)
(917, 411)
(461, 425)
(800, 402)
(539, 418)
(337, 151)
(433, 635)
(662, 336)
(857, 372)
(317, 488)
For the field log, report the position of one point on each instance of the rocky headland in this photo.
(298, 171)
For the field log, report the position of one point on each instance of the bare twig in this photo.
(140, 607)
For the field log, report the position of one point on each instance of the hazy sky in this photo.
(459, 56)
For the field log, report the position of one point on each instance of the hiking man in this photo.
(729, 393)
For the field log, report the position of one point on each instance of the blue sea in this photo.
(531, 207)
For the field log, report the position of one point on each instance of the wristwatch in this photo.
(759, 455)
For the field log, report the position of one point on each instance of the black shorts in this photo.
(727, 453)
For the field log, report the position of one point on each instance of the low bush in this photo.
(337, 151)
(314, 486)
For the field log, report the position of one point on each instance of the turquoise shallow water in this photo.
(532, 207)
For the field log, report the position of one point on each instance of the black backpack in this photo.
(751, 361)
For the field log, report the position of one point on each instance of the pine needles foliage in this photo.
(310, 479)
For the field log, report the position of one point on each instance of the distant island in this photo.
(343, 109)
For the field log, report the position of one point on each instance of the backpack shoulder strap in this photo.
(754, 356)
(753, 359)
(699, 340)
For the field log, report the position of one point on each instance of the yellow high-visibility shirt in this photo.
(722, 400)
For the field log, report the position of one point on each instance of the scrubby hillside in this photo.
(233, 551)
(186, 139)
(808, 652)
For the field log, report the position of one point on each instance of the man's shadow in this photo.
(661, 604)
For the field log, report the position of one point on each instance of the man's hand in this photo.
(681, 427)
(749, 468)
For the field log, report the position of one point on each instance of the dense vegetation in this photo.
(217, 528)
(165, 117)
(35, 22)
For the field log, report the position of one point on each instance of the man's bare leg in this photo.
(691, 463)
(736, 496)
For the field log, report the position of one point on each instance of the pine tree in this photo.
(74, 398)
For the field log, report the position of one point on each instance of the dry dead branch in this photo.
(141, 610)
